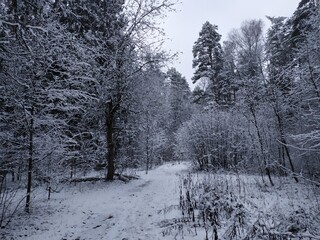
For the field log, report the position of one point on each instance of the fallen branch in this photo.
(88, 179)
(129, 177)
(124, 178)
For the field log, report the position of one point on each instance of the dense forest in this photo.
(259, 97)
(85, 86)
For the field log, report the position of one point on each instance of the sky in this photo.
(183, 26)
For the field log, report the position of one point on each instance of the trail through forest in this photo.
(150, 208)
(105, 210)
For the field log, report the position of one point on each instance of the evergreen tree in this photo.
(279, 53)
(293, 81)
(179, 97)
(208, 59)
(231, 80)
(46, 90)
(306, 74)
(300, 20)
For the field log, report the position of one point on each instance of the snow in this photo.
(103, 210)
(282, 209)
(147, 208)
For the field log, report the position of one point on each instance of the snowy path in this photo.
(109, 211)
(139, 217)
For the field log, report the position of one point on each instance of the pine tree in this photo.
(208, 59)
(179, 97)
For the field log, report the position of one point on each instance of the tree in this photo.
(149, 117)
(307, 82)
(293, 83)
(279, 53)
(101, 25)
(115, 33)
(248, 42)
(280, 58)
(300, 21)
(179, 108)
(43, 81)
(140, 20)
(229, 73)
(68, 73)
(208, 59)
(179, 99)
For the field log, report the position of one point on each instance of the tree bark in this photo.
(147, 146)
(30, 162)
(110, 141)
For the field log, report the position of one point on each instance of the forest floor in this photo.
(147, 208)
(102, 210)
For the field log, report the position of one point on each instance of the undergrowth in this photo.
(218, 206)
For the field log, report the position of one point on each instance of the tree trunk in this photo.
(312, 77)
(147, 156)
(261, 147)
(110, 141)
(289, 158)
(30, 162)
(284, 142)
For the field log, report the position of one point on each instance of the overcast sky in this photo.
(183, 26)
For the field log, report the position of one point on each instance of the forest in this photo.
(85, 88)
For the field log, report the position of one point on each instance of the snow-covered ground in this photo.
(103, 210)
(241, 206)
(147, 208)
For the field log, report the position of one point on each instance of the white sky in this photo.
(183, 27)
